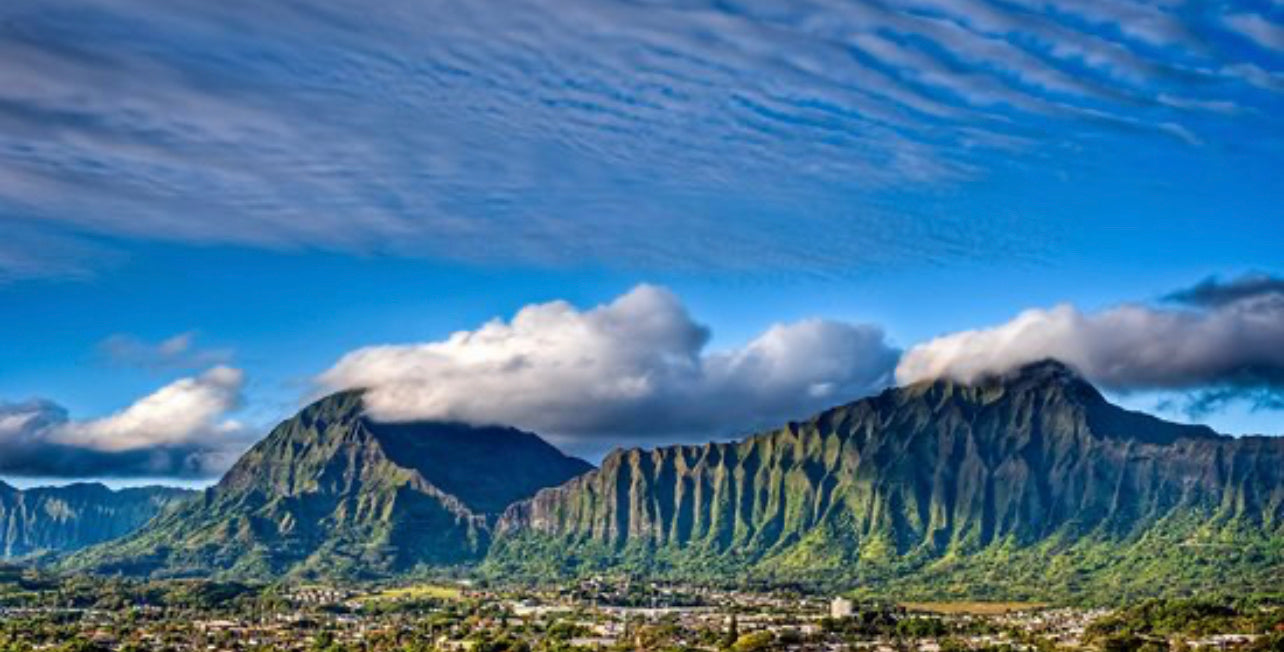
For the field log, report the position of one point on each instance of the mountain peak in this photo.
(939, 471)
(1040, 375)
(347, 404)
(332, 491)
(1051, 376)
(1047, 369)
(1056, 389)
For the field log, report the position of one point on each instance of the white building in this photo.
(840, 608)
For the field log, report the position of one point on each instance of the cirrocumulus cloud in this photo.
(633, 369)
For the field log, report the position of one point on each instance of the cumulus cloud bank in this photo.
(180, 430)
(1224, 341)
(634, 368)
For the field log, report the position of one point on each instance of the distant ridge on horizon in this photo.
(58, 519)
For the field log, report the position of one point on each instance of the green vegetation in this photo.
(418, 592)
(972, 608)
(1027, 488)
(1152, 625)
(409, 599)
(332, 494)
(1192, 617)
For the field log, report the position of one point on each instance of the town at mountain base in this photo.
(1029, 485)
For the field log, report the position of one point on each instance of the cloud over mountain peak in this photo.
(634, 368)
(1225, 341)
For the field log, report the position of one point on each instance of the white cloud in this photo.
(634, 368)
(176, 413)
(181, 429)
(1230, 347)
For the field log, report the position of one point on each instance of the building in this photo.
(840, 608)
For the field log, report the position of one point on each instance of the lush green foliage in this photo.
(330, 493)
(1193, 617)
(1026, 487)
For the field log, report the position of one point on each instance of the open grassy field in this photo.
(972, 608)
(418, 592)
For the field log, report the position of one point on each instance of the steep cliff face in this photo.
(933, 471)
(62, 519)
(330, 492)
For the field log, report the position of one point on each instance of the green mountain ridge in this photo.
(49, 520)
(1026, 485)
(332, 493)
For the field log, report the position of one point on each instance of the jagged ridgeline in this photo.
(332, 493)
(1026, 485)
(47, 520)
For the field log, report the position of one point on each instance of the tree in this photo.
(754, 642)
(733, 632)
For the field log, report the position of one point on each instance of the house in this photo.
(840, 608)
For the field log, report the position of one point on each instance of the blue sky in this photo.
(270, 187)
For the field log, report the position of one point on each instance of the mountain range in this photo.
(331, 492)
(1021, 485)
(1030, 483)
(45, 520)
